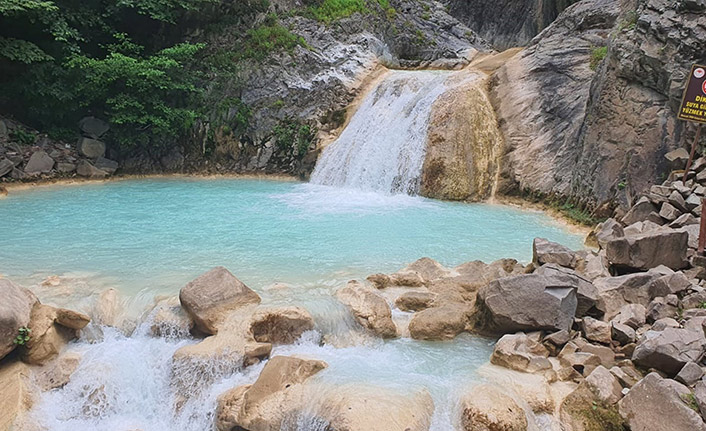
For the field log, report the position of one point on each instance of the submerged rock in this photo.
(210, 297)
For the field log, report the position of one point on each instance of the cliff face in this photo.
(507, 23)
(589, 108)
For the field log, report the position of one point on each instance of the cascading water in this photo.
(382, 149)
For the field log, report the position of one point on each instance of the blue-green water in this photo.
(154, 235)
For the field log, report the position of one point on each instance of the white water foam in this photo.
(383, 147)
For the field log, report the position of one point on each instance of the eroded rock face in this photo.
(653, 404)
(486, 407)
(15, 309)
(527, 302)
(369, 309)
(210, 297)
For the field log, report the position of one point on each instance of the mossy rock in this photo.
(583, 411)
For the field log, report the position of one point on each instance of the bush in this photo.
(331, 10)
(597, 55)
(268, 38)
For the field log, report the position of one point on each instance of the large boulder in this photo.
(616, 292)
(649, 250)
(86, 169)
(16, 396)
(585, 410)
(15, 311)
(91, 148)
(48, 338)
(39, 163)
(488, 408)
(639, 212)
(669, 350)
(280, 325)
(93, 127)
(369, 309)
(527, 302)
(545, 251)
(520, 352)
(209, 298)
(440, 323)
(605, 385)
(653, 404)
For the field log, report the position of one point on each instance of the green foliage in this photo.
(690, 401)
(577, 214)
(22, 50)
(164, 10)
(629, 22)
(139, 93)
(270, 37)
(23, 336)
(597, 55)
(23, 137)
(331, 10)
(294, 136)
(702, 304)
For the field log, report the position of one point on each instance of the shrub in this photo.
(331, 10)
(23, 336)
(270, 37)
(597, 55)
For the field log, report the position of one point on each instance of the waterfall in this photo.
(383, 147)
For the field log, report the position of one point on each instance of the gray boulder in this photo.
(616, 292)
(653, 404)
(608, 230)
(65, 167)
(91, 148)
(669, 350)
(520, 352)
(639, 212)
(527, 302)
(649, 250)
(545, 251)
(107, 165)
(93, 127)
(86, 169)
(15, 311)
(690, 374)
(6, 167)
(39, 162)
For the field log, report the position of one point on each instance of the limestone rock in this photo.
(439, 323)
(169, 319)
(596, 330)
(91, 148)
(107, 308)
(58, 373)
(47, 339)
(369, 309)
(39, 163)
(669, 350)
(210, 297)
(545, 251)
(653, 405)
(527, 302)
(649, 250)
(16, 397)
(617, 292)
(71, 319)
(605, 385)
(520, 352)
(415, 301)
(15, 311)
(487, 408)
(280, 325)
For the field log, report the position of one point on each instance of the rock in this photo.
(39, 163)
(664, 323)
(369, 309)
(93, 127)
(527, 302)
(439, 323)
(520, 352)
(210, 297)
(677, 159)
(669, 350)
(6, 167)
(595, 330)
(659, 308)
(639, 212)
(583, 362)
(169, 320)
(632, 315)
(623, 334)
(545, 251)
(380, 281)
(488, 408)
(586, 293)
(583, 409)
(107, 308)
(18, 174)
(690, 374)
(47, 339)
(608, 230)
(677, 201)
(16, 393)
(558, 339)
(669, 284)
(684, 220)
(91, 148)
(669, 212)
(700, 397)
(71, 319)
(106, 165)
(627, 376)
(415, 301)
(15, 311)
(58, 373)
(65, 168)
(605, 353)
(649, 250)
(653, 405)
(86, 169)
(605, 385)
(694, 300)
(280, 325)
(616, 292)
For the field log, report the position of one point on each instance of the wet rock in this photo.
(169, 319)
(58, 373)
(690, 374)
(91, 148)
(280, 325)
(15, 311)
(379, 281)
(440, 323)
(652, 404)
(47, 339)
(16, 396)
(605, 385)
(210, 297)
(107, 308)
(71, 319)
(415, 301)
(545, 251)
(527, 302)
(93, 127)
(86, 169)
(39, 163)
(369, 309)
(649, 250)
(488, 408)
(520, 352)
(669, 350)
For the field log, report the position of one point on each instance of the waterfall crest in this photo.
(383, 147)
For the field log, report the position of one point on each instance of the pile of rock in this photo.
(27, 155)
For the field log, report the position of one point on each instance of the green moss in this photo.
(268, 38)
(331, 10)
(569, 208)
(690, 401)
(597, 55)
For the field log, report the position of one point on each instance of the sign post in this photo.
(693, 108)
